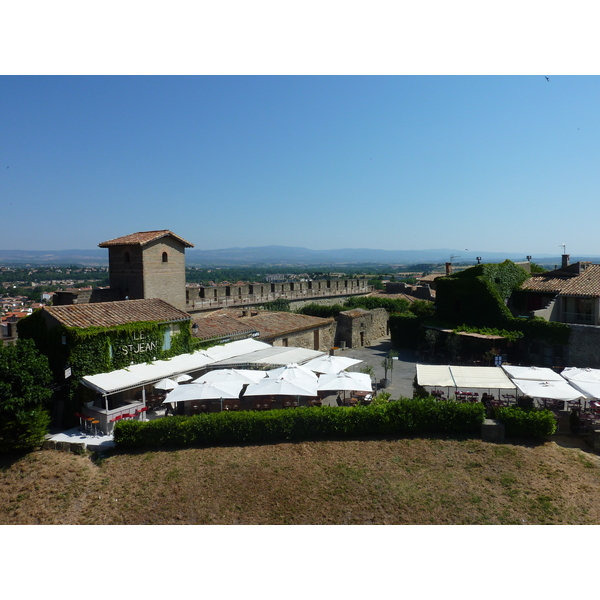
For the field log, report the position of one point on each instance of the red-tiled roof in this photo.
(142, 238)
(565, 283)
(219, 325)
(268, 324)
(109, 314)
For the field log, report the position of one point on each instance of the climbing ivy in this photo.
(92, 350)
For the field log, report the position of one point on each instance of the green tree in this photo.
(422, 308)
(24, 395)
(535, 268)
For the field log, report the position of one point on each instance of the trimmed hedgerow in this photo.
(529, 423)
(425, 416)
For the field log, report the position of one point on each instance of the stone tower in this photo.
(148, 264)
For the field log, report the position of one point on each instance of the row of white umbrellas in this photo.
(293, 380)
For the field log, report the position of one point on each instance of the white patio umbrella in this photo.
(554, 390)
(331, 364)
(227, 375)
(281, 387)
(293, 372)
(182, 378)
(344, 381)
(165, 384)
(205, 391)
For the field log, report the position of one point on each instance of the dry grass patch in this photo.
(407, 481)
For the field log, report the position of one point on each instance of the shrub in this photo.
(24, 396)
(520, 422)
(25, 432)
(392, 418)
(320, 310)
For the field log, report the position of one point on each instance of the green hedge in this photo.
(529, 423)
(404, 416)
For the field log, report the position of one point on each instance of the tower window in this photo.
(165, 257)
(126, 257)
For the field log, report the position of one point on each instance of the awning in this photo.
(463, 378)
(481, 378)
(272, 355)
(149, 373)
(435, 375)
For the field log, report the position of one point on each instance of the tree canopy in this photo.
(24, 393)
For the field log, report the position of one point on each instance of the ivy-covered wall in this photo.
(477, 296)
(93, 350)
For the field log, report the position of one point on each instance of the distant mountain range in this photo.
(284, 256)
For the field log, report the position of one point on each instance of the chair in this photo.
(82, 421)
(95, 424)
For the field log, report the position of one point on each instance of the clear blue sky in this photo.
(489, 163)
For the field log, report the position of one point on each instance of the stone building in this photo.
(148, 264)
(103, 336)
(275, 328)
(359, 327)
(570, 294)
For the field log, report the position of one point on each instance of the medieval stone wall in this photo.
(321, 338)
(583, 349)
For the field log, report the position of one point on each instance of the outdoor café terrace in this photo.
(139, 391)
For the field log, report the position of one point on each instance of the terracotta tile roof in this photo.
(109, 314)
(566, 283)
(219, 325)
(268, 324)
(142, 238)
(272, 324)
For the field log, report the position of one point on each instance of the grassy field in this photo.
(403, 481)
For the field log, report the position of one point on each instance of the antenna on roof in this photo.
(564, 247)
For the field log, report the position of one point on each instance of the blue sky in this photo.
(489, 163)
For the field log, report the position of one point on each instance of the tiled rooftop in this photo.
(109, 314)
(268, 324)
(144, 237)
(566, 283)
(219, 325)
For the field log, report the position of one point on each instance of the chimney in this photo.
(448, 268)
(565, 260)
